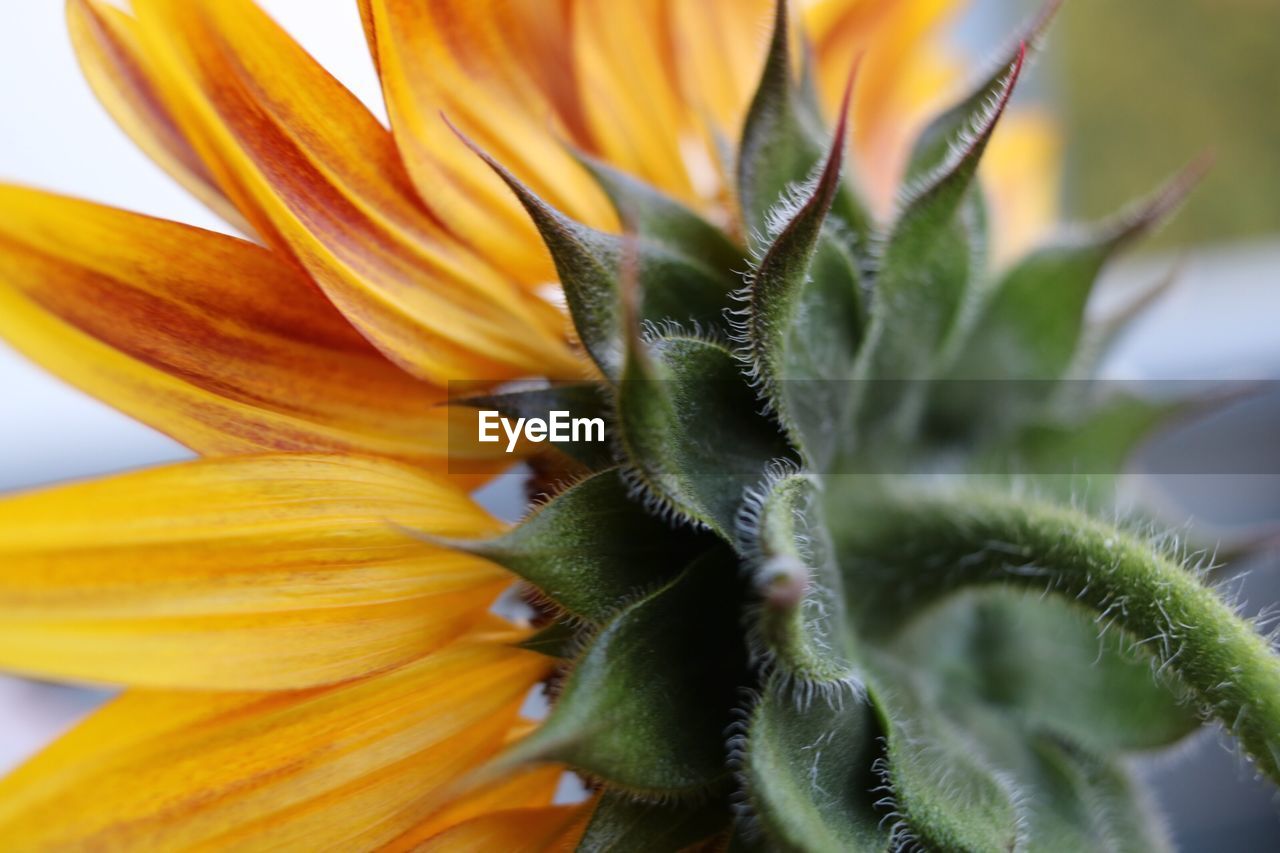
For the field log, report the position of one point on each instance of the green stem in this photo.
(925, 545)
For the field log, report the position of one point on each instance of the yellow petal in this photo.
(721, 51)
(210, 339)
(319, 177)
(498, 70)
(635, 109)
(512, 831)
(1021, 172)
(339, 768)
(266, 572)
(106, 44)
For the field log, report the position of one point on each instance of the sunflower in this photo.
(298, 671)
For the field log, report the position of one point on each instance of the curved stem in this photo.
(923, 545)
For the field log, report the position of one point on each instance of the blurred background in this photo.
(1140, 86)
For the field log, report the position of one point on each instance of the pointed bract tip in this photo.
(1165, 201)
(533, 749)
(546, 218)
(503, 172)
(629, 283)
(846, 99)
(1039, 23)
(1023, 43)
(829, 180)
(1019, 61)
(988, 123)
(781, 19)
(778, 57)
(971, 142)
(474, 547)
(1190, 177)
(466, 140)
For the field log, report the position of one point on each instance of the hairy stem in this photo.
(915, 546)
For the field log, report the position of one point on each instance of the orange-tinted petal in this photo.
(531, 788)
(499, 70)
(721, 48)
(213, 340)
(320, 177)
(633, 99)
(512, 831)
(106, 43)
(345, 767)
(267, 572)
(370, 30)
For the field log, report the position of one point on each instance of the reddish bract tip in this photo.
(1016, 72)
(1177, 190)
(471, 143)
(835, 157)
(629, 285)
(1164, 202)
(846, 99)
(1039, 23)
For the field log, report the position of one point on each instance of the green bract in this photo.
(819, 592)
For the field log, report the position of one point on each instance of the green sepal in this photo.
(802, 319)
(591, 265)
(691, 429)
(557, 640)
(1075, 447)
(791, 561)
(945, 796)
(622, 824)
(1091, 448)
(927, 263)
(783, 140)
(1047, 667)
(925, 285)
(590, 549)
(1099, 339)
(807, 774)
(1030, 331)
(1112, 811)
(656, 216)
(1068, 798)
(1030, 325)
(645, 707)
(1006, 781)
(968, 771)
(582, 399)
(935, 142)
